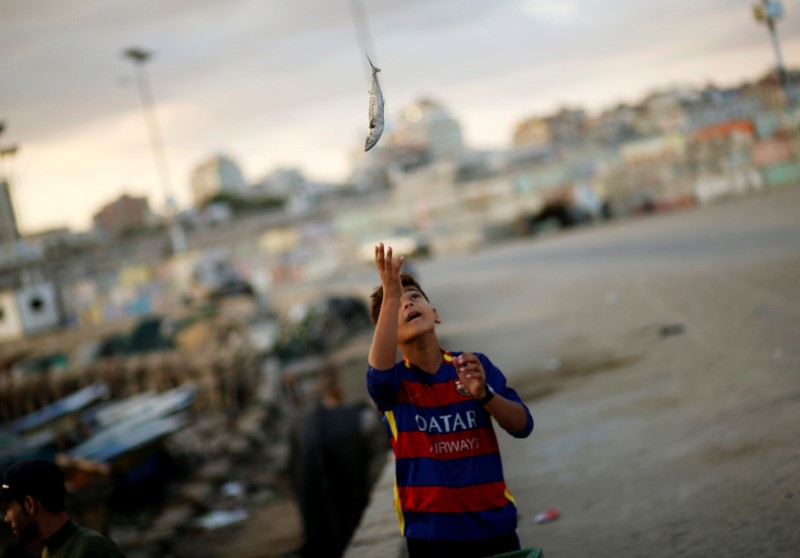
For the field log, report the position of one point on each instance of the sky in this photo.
(277, 84)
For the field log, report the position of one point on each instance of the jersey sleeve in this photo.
(383, 386)
(496, 379)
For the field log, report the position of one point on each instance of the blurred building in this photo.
(218, 174)
(57, 240)
(427, 124)
(567, 127)
(300, 195)
(773, 92)
(532, 132)
(368, 177)
(651, 174)
(665, 112)
(714, 106)
(124, 214)
(281, 183)
(8, 219)
(613, 126)
(719, 160)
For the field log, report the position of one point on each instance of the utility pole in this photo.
(768, 12)
(176, 233)
(7, 213)
(7, 150)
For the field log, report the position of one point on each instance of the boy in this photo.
(450, 495)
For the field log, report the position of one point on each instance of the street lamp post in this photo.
(768, 12)
(139, 58)
(9, 151)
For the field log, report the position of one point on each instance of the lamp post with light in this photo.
(768, 12)
(139, 58)
(7, 150)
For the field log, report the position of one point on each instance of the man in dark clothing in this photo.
(33, 497)
(334, 446)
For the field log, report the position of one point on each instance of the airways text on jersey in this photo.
(453, 446)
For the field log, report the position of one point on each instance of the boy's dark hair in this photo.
(376, 298)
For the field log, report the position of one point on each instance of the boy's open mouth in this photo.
(413, 315)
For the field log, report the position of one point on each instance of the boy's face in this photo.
(416, 315)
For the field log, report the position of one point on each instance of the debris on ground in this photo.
(547, 516)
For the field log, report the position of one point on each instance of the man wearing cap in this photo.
(33, 496)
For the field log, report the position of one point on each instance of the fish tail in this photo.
(374, 69)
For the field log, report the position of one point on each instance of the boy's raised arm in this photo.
(383, 351)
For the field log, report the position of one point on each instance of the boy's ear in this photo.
(436, 317)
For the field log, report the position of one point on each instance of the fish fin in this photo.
(374, 69)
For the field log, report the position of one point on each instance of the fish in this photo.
(375, 109)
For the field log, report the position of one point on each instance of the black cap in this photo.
(35, 477)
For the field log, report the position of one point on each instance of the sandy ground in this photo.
(272, 530)
(665, 441)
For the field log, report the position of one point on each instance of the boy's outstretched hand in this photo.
(384, 342)
(389, 271)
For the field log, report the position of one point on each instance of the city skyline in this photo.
(274, 86)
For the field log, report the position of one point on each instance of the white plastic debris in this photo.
(552, 364)
(218, 519)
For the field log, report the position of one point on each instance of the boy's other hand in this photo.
(389, 271)
(471, 373)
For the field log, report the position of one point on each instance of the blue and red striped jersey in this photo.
(449, 482)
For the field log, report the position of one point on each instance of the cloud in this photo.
(552, 11)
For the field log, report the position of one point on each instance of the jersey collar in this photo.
(446, 356)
